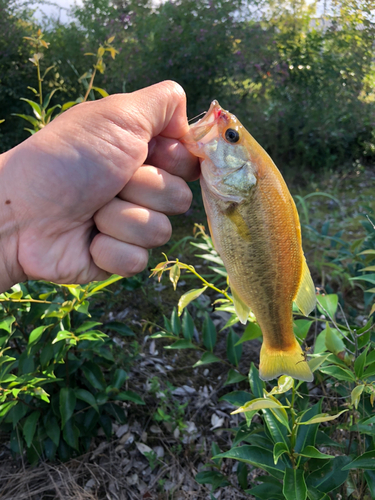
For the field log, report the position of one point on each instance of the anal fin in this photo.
(305, 298)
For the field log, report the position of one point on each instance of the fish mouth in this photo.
(204, 129)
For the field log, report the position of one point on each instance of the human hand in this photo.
(88, 195)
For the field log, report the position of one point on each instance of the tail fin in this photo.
(274, 362)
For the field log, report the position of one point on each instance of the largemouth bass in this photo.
(255, 228)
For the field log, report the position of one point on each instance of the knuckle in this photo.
(136, 262)
(174, 88)
(161, 232)
(182, 198)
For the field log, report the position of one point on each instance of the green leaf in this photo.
(87, 397)
(52, 428)
(36, 108)
(6, 323)
(188, 297)
(71, 434)
(51, 110)
(360, 362)
(67, 404)
(370, 278)
(69, 104)
(278, 450)
(278, 431)
(215, 450)
(256, 456)
(121, 328)
(209, 333)
(284, 384)
(242, 472)
(181, 344)
(329, 477)
(31, 119)
(129, 396)
(94, 375)
(119, 378)
(102, 92)
(75, 290)
(365, 461)
(328, 304)
(174, 275)
(216, 478)
(87, 325)
(370, 479)
(236, 398)
(175, 323)
(370, 371)
(312, 452)
(301, 327)
(338, 372)
(206, 359)
(234, 377)
(258, 404)
(317, 361)
(83, 307)
(187, 326)
(321, 417)
(333, 341)
(103, 284)
(29, 427)
(36, 334)
(320, 343)
(256, 384)
(280, 413)
(356, 395)
(234, 351)
(306, 435)
(314, 494)
(252, 331)
(294, 484)
(65, 335)
(267, 491)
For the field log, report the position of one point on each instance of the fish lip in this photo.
(201, 128)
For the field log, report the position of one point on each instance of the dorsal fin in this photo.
(242, 310)
(305, 298)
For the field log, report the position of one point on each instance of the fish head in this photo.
(223, 146)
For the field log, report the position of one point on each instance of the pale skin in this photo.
(89, 194)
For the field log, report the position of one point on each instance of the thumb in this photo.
(156, 110)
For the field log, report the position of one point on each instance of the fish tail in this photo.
(276, 362)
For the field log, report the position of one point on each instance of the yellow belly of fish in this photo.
(261, 251)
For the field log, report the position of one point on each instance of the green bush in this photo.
(61, 377)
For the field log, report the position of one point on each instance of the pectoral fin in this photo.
(242, 310)
(305, 298)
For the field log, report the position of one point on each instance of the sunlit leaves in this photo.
(188, 297)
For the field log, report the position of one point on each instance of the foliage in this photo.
(61, 377)
(43, 112)
(300, 80)
(282, 430)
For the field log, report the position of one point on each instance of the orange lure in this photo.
(255, 228)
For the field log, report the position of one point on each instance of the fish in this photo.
(255, 228)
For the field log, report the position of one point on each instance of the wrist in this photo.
(10, 270)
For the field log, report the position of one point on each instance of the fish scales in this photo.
(255, 229)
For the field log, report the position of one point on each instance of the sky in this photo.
(56, 8)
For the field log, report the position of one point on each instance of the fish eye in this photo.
(232, 135)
